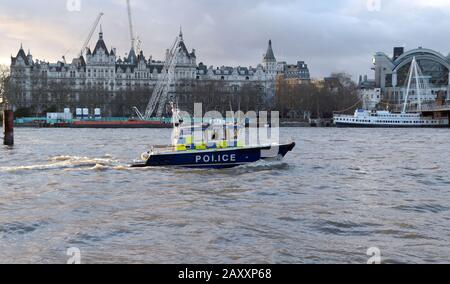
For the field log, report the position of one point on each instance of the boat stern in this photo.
(139, 164)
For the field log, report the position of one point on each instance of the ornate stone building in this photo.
(101, 70)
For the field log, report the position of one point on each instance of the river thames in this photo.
(339, 193)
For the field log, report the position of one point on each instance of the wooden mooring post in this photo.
(8, 127)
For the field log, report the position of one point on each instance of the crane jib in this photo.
(161, 92)
(91, 32)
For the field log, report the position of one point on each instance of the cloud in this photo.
(330, 36)
(15, 32)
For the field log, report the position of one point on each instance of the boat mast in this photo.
(176, 121)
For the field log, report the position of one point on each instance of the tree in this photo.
(5, 78)
(316, 99)
(220, 96)
(295, 101)
(121, 102)
(346, 97)
(11, 89)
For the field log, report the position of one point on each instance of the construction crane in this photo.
(136, 43)
(130, 22)
(162, 90)
(91, 32)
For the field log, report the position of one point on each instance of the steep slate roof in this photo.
(79, 62)
(269, 56)
(159, 68)
(100, 44)
(21, 54)
(184, 49)
(124, 67)
(132, 58)
(141, 57)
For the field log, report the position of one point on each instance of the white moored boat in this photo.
(364, 118)
(415, 119)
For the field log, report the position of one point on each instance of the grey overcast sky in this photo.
(331, 36)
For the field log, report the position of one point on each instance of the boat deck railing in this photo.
(425, 107)
(343, 115)
(436, 107)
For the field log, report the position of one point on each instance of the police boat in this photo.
(219, 147)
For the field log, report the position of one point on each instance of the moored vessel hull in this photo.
(120, 124)
(386, 119)
(373, 125)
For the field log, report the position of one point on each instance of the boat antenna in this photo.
(239, 111)
(232, 112)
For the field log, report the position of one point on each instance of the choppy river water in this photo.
(339, 193)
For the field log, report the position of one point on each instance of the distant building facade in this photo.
(102, 69)
(370, 94)
(264, 73)
(294, 73)
(391, 74)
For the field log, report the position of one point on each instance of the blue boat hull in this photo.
(217, 159)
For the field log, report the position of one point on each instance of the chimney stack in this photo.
(398, 51)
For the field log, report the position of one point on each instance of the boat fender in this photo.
(200, 146)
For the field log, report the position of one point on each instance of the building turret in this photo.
(21, 57)
(100, 35)
(30, 57)
(269, 61)
(181, 34)
(269, 56)
(100, 47)
(132, 58)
